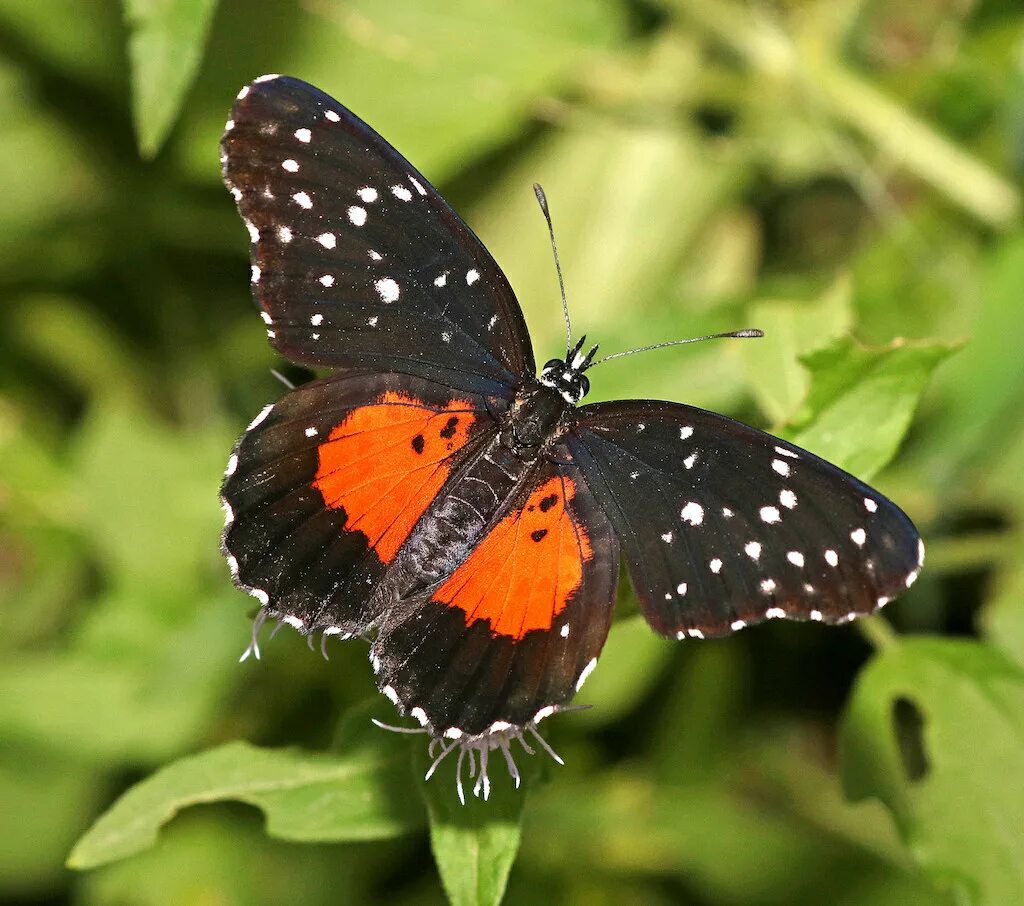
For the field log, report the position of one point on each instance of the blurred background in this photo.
(818, 168)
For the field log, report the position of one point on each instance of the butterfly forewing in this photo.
(356, 259)
(723, 525)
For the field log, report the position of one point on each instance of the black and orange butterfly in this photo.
(434, 495)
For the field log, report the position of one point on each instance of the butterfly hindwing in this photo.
(723, 525)
(357, 261)
(517, 626)
(327, 484)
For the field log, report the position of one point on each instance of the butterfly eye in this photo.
(584, 385)
(553, 364)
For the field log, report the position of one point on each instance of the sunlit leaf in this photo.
(861, 400)
(475, 843)
(772, 364)
(935, 729)
(165, 45)
(363, 794)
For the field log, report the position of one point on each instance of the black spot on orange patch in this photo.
(384, 464)
(518, 586)
(448, 431)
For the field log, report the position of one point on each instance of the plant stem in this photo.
(878, 632)
(810, 62)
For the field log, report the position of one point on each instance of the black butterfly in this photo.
(434, 495)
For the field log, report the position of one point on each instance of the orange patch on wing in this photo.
(386, 462)
(523, 573)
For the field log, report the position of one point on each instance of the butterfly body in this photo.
(436, 496)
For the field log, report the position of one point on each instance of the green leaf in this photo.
(137, 696)
(219, 856)
(1003, 616)
(954, 785)
(475, 844)
(165, 45)
(861, 400)
(791, 329)
(632, 661)
(983, 387)
(131, 467)
(362, 793)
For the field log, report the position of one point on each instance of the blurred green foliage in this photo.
(846, 174)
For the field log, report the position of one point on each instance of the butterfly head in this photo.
(566, 375)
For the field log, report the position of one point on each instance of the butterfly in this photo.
(438, 497)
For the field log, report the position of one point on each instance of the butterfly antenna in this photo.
(542, 200)
(746, 333)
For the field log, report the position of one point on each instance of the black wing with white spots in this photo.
(723, 525)
(357, 261)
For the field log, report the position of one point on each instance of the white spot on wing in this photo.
(290, 165)
(416, 183)
(367, 194)
(782, 451)
(667, 537)
(254, 274)
(241, 94)
(787, 498)
(332, 116)
(781, 467)
(716, 566)
(870, 505)
(264, 412)
(401, 192)
(796, 558)
(564, 631)
(327, 280)
(472, 276)
(768, 586)
(389, 693)
(254, 234)
(420, 716)
(260, 595)
(387, 289)
(284, 234)
(685, 433)
(753, 550)
(327, 240)
(441, 279)
(586, 672)
(770, 514)
(311, 432)
(681, 588)
(357, 215)
(692, 513)
(737, 625)
(232, 465)
(859, 536)
(831, 557)
(316, 320)
(690, 460)
(303, 135)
